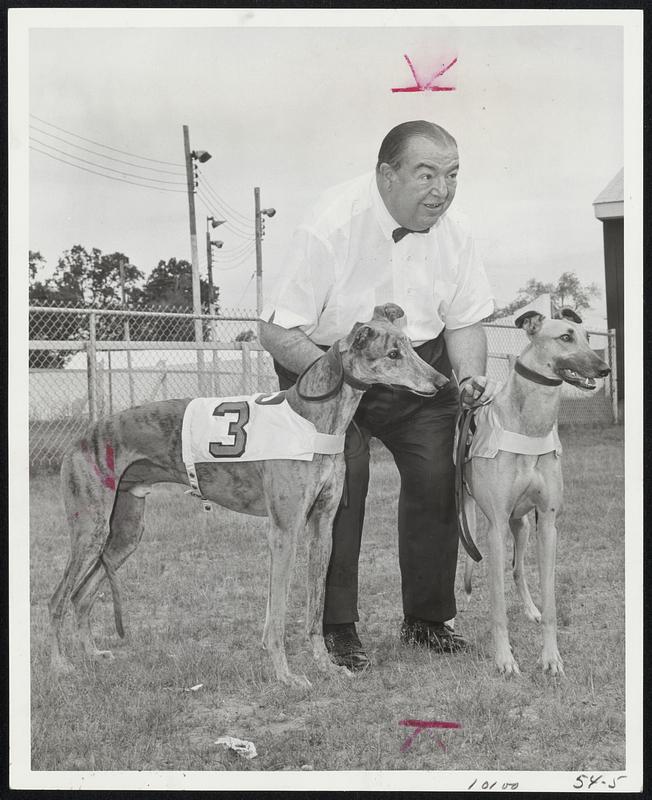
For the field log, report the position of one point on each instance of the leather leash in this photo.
(463, 423)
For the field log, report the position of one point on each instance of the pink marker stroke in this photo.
(421, 725)
(427, 86)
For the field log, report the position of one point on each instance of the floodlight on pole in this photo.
(201, 155)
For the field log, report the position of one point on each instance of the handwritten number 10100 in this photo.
(488, 786)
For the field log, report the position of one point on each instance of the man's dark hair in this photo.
(393, 145)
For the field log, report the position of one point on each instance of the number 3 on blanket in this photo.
(236, 429)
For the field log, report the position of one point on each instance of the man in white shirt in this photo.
(390, 237)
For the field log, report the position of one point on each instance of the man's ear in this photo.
(362, 334)
(568, 313)
(530, 322)
(386, 175)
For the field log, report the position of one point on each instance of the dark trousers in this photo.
(418, 432)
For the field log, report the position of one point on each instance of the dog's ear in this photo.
(362, 334)
(388, 311)
(530, 322)
(568, 313)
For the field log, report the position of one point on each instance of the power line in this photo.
(101, 155)
(244, 220)
(248, 236)
(110, 177)
(235, 251)
(253, 274)
(108, 147)
(242, 231)
(101, 166)
(238, 263)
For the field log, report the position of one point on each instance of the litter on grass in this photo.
(241, 746)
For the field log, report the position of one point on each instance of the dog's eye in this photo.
(393, 354)
(566, 337)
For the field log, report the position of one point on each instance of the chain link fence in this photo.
(86, 363)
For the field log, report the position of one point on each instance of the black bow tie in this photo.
(399, 233)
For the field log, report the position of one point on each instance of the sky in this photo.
(537, 112)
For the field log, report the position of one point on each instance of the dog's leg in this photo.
(546, 551)
(126, 529)
(282, 546)
(87, 515)
(503, 652)
(320, 542)
(521, 533)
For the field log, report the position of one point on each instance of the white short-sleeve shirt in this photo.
(343, 261)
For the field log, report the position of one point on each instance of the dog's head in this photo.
(562, 345)
(379, 352)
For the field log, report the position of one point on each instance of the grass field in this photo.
(195, 595)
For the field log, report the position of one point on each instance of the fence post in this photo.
(91, 368)
(215, 380)
(246, 368)
(110, 382)
(614, 373)
(132, 400)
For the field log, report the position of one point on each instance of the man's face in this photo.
(423, 187)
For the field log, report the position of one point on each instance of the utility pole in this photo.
(132, 401)
(190, 156)
(260, 232)
(194, 256)
(210, 244)
(209, 266)
(259, 252)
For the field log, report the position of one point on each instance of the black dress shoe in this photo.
(434, 635)
(344, 647)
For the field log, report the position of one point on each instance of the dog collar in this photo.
(535, 377)
(335, 359)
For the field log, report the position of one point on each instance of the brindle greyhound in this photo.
(510, 485)
(105, 501)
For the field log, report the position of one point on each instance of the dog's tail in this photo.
(115, 593)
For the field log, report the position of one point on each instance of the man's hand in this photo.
(477, 390)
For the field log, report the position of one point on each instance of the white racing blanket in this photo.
(254, 428)
(490, 437)
(258, 427)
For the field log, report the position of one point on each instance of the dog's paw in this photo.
(533, 613)
(553, 664)
(296, 681)
(507, 665)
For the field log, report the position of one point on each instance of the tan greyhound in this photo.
(514, 467)
(107, 474)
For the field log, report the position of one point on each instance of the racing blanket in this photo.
(254, 428)
(490, 437)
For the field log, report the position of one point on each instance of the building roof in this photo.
(609, 204)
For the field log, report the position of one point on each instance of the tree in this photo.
(39, 292)
(570, 292)
(81, 278)
(36, 261)
(567, 291)
(170, 284)
(93, 279)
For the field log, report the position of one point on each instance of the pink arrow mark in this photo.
(427, 86)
